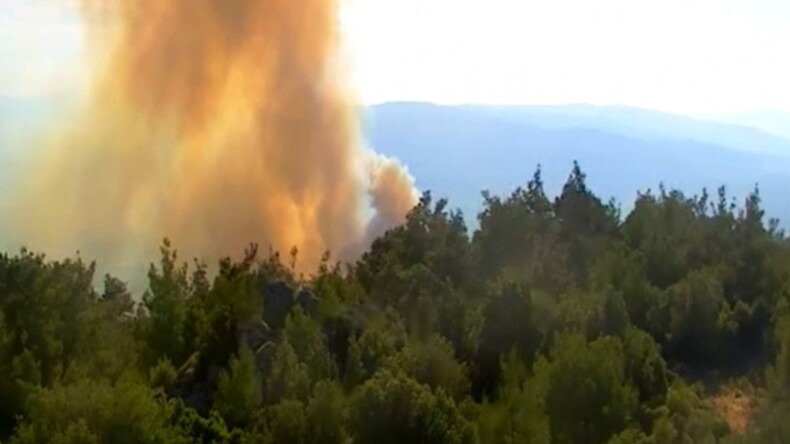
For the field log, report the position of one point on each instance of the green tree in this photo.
(165, 301)
(588, 397)
(518, 414)
(698, 322)
(665, 229)
(95, 411)
(288, 422)
(326, 415)
(431, 236)
(45, 328)
(620, 270)
(309, 344)
(239, 390)
(163, 375)
(519, 236)
(645, 367)
(508, 325)
(585, 223)
(384, 337)
(190, 427)
(431, 362)
(393, 408)
(692, 418)
(288, 378)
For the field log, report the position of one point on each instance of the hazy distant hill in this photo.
(460, 150)
(776, 122)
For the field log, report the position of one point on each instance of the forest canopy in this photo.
(559, 320)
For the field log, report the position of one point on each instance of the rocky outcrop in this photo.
(278, 300)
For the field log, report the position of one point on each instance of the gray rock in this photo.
(278, 299)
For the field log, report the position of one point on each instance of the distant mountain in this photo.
(457, 151)
(643, 123)
(771, 121)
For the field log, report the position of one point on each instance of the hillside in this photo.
(554, 322)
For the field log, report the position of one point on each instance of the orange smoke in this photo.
(216, 123)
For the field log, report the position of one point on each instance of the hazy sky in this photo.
(686, 56)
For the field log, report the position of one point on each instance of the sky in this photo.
(696, 57)
(41, 45)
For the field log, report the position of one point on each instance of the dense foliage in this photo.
(557, 321)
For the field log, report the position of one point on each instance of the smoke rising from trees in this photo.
(216, 123)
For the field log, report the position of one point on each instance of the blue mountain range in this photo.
(458, 151)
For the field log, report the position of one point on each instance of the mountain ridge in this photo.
(460, 150)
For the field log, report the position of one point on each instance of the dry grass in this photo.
(736, 406)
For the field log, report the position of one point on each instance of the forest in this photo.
(558, 320)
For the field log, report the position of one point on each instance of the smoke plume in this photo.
(216, 123)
